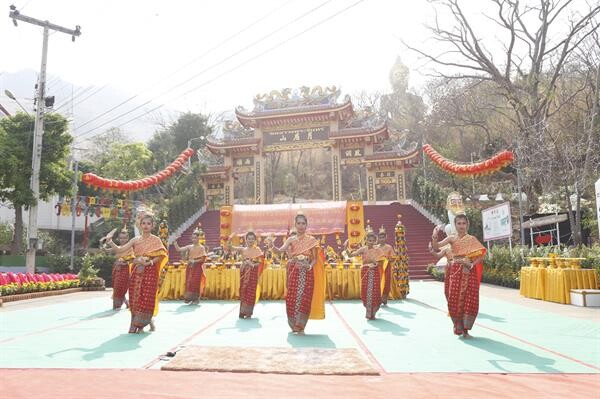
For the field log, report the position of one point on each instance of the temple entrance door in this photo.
(303, 174)
(354, 182)
(244, 188)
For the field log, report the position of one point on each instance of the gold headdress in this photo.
(300, 213)
(382, 230)
(454, 203)
(142, 213)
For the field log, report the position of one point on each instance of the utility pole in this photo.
(36, 153)
(520, 192)
(74, 201)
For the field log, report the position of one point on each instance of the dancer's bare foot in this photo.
(196, 302)
(152, 326)
(126, 304)
(466, 334)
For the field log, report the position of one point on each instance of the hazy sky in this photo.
(149, 47)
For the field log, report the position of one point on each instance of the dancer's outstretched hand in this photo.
(110, 235)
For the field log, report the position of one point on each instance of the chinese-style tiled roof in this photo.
(355, 132)
(251, 119)
(391, 156)
(216, 169)
(233, 145)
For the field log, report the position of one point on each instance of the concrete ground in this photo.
(521, 348)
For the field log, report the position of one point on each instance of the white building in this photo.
(47, 218)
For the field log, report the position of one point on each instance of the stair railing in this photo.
(421, 209)
(185, 225)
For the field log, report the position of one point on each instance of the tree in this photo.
(104, 141)
(541, 40)
(575, 133)
(16, 137)
(125, 161)
(166, 144)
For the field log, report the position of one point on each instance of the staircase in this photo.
(418, 234)
(210, 226)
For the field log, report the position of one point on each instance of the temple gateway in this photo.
(305, 119)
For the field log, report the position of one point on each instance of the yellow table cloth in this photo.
(555, 284)
(225, 284)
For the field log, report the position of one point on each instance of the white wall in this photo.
(47, 219)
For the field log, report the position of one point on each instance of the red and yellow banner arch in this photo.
(489, 166)
(140, 184)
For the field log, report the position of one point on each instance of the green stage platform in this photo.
(414, 335)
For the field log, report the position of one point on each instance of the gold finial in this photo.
(382, 230)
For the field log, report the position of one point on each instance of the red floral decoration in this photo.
(489, 166)
(354, 207)
(91, 179)
(355, 233)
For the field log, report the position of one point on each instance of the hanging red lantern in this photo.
(487, 166)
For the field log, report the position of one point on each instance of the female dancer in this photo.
(371, 273)
(389, 253)
(253, 261)
(463, 275)
(194, 273)
(306, 277)
(120, 271)
(150, 257)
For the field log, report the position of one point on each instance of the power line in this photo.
(217, 46)
(239, 65)
(204, 70)
(91, 95)
(75, 95)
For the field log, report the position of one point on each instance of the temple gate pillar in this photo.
(401, 181)
(336, 173)
(259, 179)
(228, 191)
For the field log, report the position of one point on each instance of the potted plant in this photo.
(88, 276)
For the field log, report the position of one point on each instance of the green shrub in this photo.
(103, 263)
(61, 263)
(87, 271)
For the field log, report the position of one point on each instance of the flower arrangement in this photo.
(16, 288)
(400, 267)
